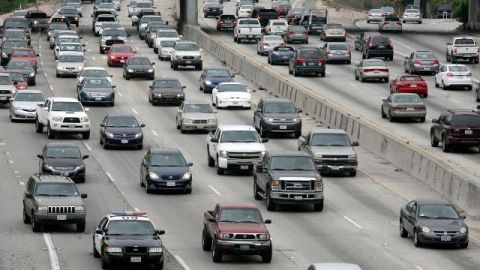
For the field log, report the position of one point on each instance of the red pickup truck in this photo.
(236, 228)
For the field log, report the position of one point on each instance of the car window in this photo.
(227, 87)
(279, 107)
(240, 215)
(330, 139)
(437, 211)
(239, 136)
(167, 160)
(56, 189)
(167, 84)
(168, 43)
(292, 163)
(197, 108)
(458, 68)
(470, 120)
(168, 34)
(130, 227)
(187, 47)
(32, 97)
(248, 22)
(465, 41)
(338, 46)
(218, 73)
(67, 106)
(425, 55)
(308, 53)
(372, 63)
(97, 83)
(95, 73)
(122, 122)
(15, 44)
(407, 99)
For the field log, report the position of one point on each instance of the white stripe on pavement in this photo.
(214, 190)
(181, 262)
(353, 222)
(51, 252)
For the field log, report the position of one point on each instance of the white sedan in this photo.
(231, 94)
(244, 11)
(450, 76)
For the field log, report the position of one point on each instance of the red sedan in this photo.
(409, 84)
(25, 54)
(19, 80)
(118, 54)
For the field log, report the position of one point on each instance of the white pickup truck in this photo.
(247, 29)
(234, 147)
(62, 115)
(465, 48)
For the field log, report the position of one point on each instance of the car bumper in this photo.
(341, 57)
(407, 114)
(70, 127)
(224, 26)
(123, 142)
(411, 19)
(458, 82)
(420, 68)
(464, 141)
(39, 25)
(282, 197)
(228, 103)
(466, 55)
(337, 168)
(233, 164)
(282, 127)
(310, 69)
(173, 100)
(280, 59)
(380, 53)
(169, 185)
(391, 28)
(213, 13)
(73, 174)
(244, 247)
(374, 19)
(208, 126)
(45, 218)
(18, 114)
(413, 90)
(117, 61)
(190, 62)
(436, 239)
(122, 259)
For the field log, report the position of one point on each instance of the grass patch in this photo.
(7, 6)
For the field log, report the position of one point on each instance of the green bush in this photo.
(11, 5)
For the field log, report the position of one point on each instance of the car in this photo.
(151, 32)
(144, 246)
(20, 81)
(213, 76)
(212, 9)
(267, 42)
(166, 90)
(276, 27)
(231, 94)
(93, 72)
(15, 34)
(226, 22)
(119, 54)
(138, 66)
(333, 32)
(403, 105)
(24, 104)
(360, 40)
(405, 83)
(68, 47)
(295, 14)
(296, 33)
(139, 13)
(454, 76)
(250, 230)
(244, 11)
(264, 15)
(334, 266)
(8, 46)
(388, 10)
(195, 115)
(63, 159)
(280, 55)
(58, 33)
(24, 67)
(53, 200)
(332, 151)
(247, 29)
(433, 221)
(145, 21)
(390, 23)
(186, 53)
(65, 38)
(462, 48)
(99, 20)
(281, 7)
(56, 26)
(412, 15)
(277, 115)
(165, 169)
(165, 49)
(456, 128)
(375, 15)
(372, 69)
(38, 19)
(111, 36)
(7, 88)
(121, 130)
(71, 14)
(57, 18)
(114, 25)
(96, 91)
(165, 34)
(70, 64)
(421, 62)
(444, 11)
(337, 52)
(131, 6)
(378, 46)
(307, 60)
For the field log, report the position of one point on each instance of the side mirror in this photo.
(184, 86)
(83, 45)
(160, 232)
(98, 231)
(142, 125)
(102, 125)
(85, 156)
(463, 216)
(267, 221)
(190, 164)
(449, 43)
(435, 120)
(214, 140)
(128, 35)
(264, 140)
(355, 144)
(153, 63)
(83, 196)
(40, 156)
(28, 195)
(384, 99)
(299, 110)
(114, 86)
(87, 109)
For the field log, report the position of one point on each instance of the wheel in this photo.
(454, 59)
(220, 171)
(269, 202)
(295, 72)
(95, 252)
(403, 232)
(199, 67)
(447, 57)
(38, 126)
(297, 134)
(255, 190)
(289, 70)
(267, 255)
(81, 179)
(390, 117)
(234, 39)
(445, 145)
(263, 133)
(127, 77)
(211, 161)
(416, 241)
(160, 266)
(216, 252)
(469, 88)
(206, 240)
(50, 132)
(477, 98)
(436, 83)
(356, 77)
(81, 226)
(444, 87)
(322, 74)
(35, 226)
(352, 174)
(155, 50)
(318, 207)
(86, 135)
(433, 141)
(382, 113)
(147, 189)
(26, 218)
(175, 66)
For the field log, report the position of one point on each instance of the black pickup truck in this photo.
(264, 15)
(38, 19)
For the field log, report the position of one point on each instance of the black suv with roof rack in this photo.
(456, 128)
(378, 46)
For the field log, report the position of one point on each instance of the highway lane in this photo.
(340, 86)
(300, 236)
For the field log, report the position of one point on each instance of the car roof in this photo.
(194, 102)
(61, 144)
(329, 130)
(431, 201)
(276, 99)
(95, 68)
(237, 205)
(63, 99)
(165, 151)
(48, 178)
(30, 91)
(236, 127)
(336, 266)
(112, 115)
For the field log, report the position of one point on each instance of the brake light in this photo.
(417, 62)
(349, 52)
(321, 60)
(449, 74)
(329, 52)
(300, 60)
(266, 44)
(436, 62)
(399, 107)
(305, 33)
(238, 30)
(469, 74)
(455, 50)
(221, 21)
(370, 44)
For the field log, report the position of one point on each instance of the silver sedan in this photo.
(24, 104)
(196, 115)
(372, 69)
(403, 105)
(267, 43)
(338, 52)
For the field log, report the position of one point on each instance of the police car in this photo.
(128, 238)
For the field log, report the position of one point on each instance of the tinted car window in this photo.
(19, 65)
(198, 108)
(167, 84)
(95, 73)
(227, 17)
(458, 68)
(407, 99)
(338, 46)
(465, 41)
(232, 88)
(15, 44)
(279, 107)
(471, 120)
(309, 53)
(411, 78)
(96, 83)
(132, 227)
(56, 189)
(63, 152)
(239, 215)
(138, 61)
(15, 23)
(437, 211)
(425, 55)
(248, 22)
(292, 163)
(122, 122)
(329, 139)
(5, 80)
(67, 106)
(167, 160)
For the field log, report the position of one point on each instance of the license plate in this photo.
(235, 103)
(3, 98)
(244, 167)
(122, 61)
(244, 247)
(124, 141)
(71, 126)
(335, 168)
(200, 126)
(298, 198)
(98, 98)
(135, 259)
(469, 132)
(413, 85)
(228, 25)
(445, 238)
(311, 64)
(283, 127)
(410, 109)
(381, 47)
(426, 68)
(249, 36)
(61, 217)
(170, 184)
(188, 62)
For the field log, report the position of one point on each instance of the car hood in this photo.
(133, 240)
(231, 227)
(169, 171)
(242, 147)
(32, 105)
(195, 116)
(114, 38)
(332, 150)
(218, 79)
(123, 130)
(59, 201)
(64, 162)
(238, 95)
(442, 224)
(281, 115)
(168, 90)
(139, 67)
(187, 53)
(277, 174)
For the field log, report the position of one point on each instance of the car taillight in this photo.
(300, 60)
(370, 44)
(399, 107)
(417, 62)
(450, 130)
(221, 21)
(422, 107)
(449, 74)
(349, 52)
(436, 62)
(369, 14)
(478, 50)
(385, 23)
(266, 44)
(329, 52)
(455, 50)
(469, 74)
(321, 60)
(290, 33)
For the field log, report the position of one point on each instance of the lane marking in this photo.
(181, 262)
(154, 132)
(120, 94)
(51, 252)
(352, 84)
(134, 111)
(136, 209)
(51, 87)
(110, 176)
(353, 222)
(88, 147)
(214, 190)
(418, 267)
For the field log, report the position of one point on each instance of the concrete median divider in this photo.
(441, 175)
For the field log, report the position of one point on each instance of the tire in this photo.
(270, 204)
(433, 141)
(255, 190)
(38, 126)
(382, 113)
(463, 245)
(200, 67)
(81, 226)
(35, 226)
(26, 218)
(50, 132)
(211, 161)
(220, 171)
(444, 87)
(436, 83)
(263, 133)
(318, 207)
(454, 59)
(175, 66)
(362, 79)
(155, 50)
(206, 240)
(352, 174)
(445, 146)
(127, 77)
(422, 119)
(294, 72)
(477, 98)
(403, 232)
(216, 252)
(356, 77)
(447, 57)
(267, 255)
(390, 117)
(322, 74)
(416, 241)
(147, 190)
(86, 135)
(469, 88)
(95, 252)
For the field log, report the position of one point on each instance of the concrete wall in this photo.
(474, 15)
(440, 175)
(188, 12)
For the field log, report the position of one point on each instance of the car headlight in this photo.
(262, 236)
(84, 119)
(262, 154)
(42, 208)
(57, 119)
(114, 250)
(79, 208)
(275, 185)
(318, 185)
(31, 74)
(180, 95)
(59, 67)
(104, 42)
(223, 153)
(155, 250)
(212, 120)
(76, 18)
(150, 70)
(109, 135)
(463, 230)
(79, 167)
(318, 156)
(268, 119)
(296, 119)
(153, 175)
(187, 121)
(129, 70)
(48, 167)
(208, 82)
(227, 235)
(138, 135)
(35, 22)
(352, 156)
(425, 229)
(187, 175)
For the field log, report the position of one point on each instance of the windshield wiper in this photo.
(248, 221)
(427, 217)
(233, 221)
(42, 194)
(61, 195)
(337, 145)
(451, 218)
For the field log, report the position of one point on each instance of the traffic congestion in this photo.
(135, 146)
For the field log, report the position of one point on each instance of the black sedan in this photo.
(280, 55)
(96, 91)
(25, 67)
(166, 90)
(433, 221)
(138, 66)
(212, 9)
(63, 159)
(121, 130)
(165, 169)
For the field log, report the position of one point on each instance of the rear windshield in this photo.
(24, 53)
(411, 78)
(143, 5)
(338, 46)
(227, 17)
(392, 19)
(38, 15)
(294, 28)
(15, 23)
(280, 23)
(5, 80)
(333, 26)
(232, 88)
(425, 55)
(374, 63)
(471, 120)
(465, 41)
(381, 40)
(407, 99)
(95, 73)
(248, 22)
(309, 53)
(458, 68)
(106, 19)
(15, 44)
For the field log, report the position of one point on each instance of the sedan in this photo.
(409, 84)
(226, 22)
(119, 54)
(280, 55)
(212, 9)
(433, 221)
(375, 15)
(421, 62)
(372, 69)
(165, 49)
(390, 23)
(96, 91)
(412, 15)
(93, 72)
(24, 67)
(70, 64)
(453, 75)
(403, 105)
(267, 43)
(333, 31)
(337, 52)
(121, 130)
(211, 77)
(195, 115)
(26, 54)
(231, 94)
(24, 104)
(138, 66)
(296, 33)
(166, 90)
(165, 169)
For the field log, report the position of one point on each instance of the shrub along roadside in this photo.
(11, 5)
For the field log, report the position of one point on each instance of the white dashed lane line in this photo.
(181, 262)
(214, 190)
(51, 252)
(352, 222)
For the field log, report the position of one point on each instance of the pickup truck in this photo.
(62, 115)
(247, 29)
(465, 48)
(38, 19)
(314, 20)
(288, 178)
(236, 228)
(331, 150)
(234, 147)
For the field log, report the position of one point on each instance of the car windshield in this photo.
(246, 7)
(437, 211)
(65, 106)
(294, 28)
(58, 26)
(239, 136)
(16, 23)
(309, 54)
(56, 189)
(106, 5)
(240, 215)
(5, 80)
(273, 38)
(231, 88)
(150, 19)
(95, 73)
(70, 59)
(187, 47)
(19, 65)
(292, 163)
(139, 61)
(97, 83)
(340, 47)
(68, 39)
(105, 19)
(168, 43)
(468, 120)
(407, 99)
(218, 73)
(374, 63)
(279, 107)
(70, 11)
(14, 34)
(15, 44)
(114, 32)
(63, 152)
(16, 77)
(465, 41)
(330, 139)
(122, 49)
(71, 47)
(127, 121)
(197, 108)
(318, 19)
(392, 19)
(458, 68)
(170, 34)
(130, 227)
(425, 56)
(167, 160)
(33, 97)
(143, 5)
(167, 84)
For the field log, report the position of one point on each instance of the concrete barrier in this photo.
(441, 175)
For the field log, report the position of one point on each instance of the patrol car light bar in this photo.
(129, 213)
